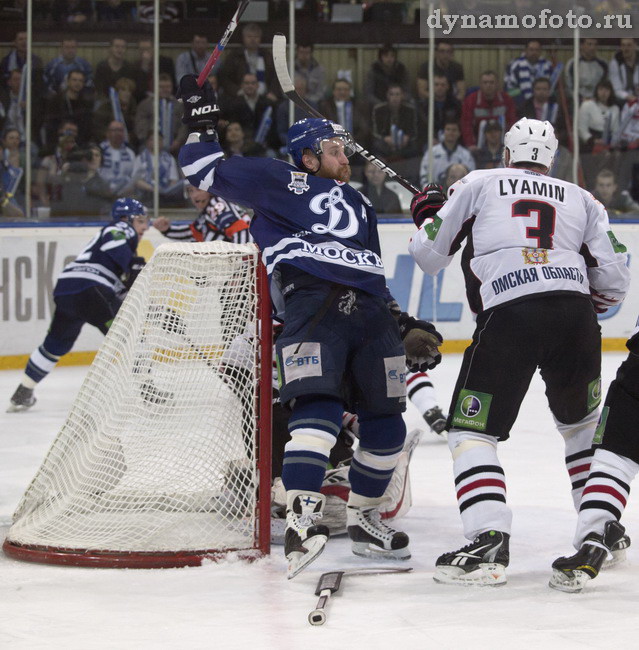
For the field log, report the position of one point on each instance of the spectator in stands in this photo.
(235, 143)
(48, 175)
(252, 110)
(12, 114)
(385, 71)
(489, 156)
(598, 120)
(70, 104)
(522, 72)
(171, 185)
(307, 66)
(122, 108)
(487, 103)
(193, 61)
(83, 190)
(143, 71)
(117, 160)
(444, 66)
(16, 59)
(541, 106)
(444, 154)
(251, 58)
(447, 107)
(394, 126)
(56, 71)
(592, 70)
(114, 67)
(384, 200)
(74, 12)
(170, 12)
(282, 112)
(8, 206)
(13, 155)
(115, 11)
(351, 113)
(173, 131)
(454, 173)
(624, 71)
(614, 200)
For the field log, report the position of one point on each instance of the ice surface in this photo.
(235, 605)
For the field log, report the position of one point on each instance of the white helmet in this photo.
(531, 141)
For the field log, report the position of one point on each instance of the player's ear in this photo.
(311, 161)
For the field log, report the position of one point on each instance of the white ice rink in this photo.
(234, 605)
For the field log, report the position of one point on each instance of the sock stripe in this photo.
(578, 469)
(618, 481)
(600, 505)
(490, 496)
(605, 489)
(485, 482)
(479, 469)
(587, 453)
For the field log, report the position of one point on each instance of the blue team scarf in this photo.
(118, 115)
(265, 125)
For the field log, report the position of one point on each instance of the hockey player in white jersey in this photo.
(539, 261)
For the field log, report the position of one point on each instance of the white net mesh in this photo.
(158, 453)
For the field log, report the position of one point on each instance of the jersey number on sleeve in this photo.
(545, 228)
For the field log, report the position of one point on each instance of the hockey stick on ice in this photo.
(329, 583)
(281, 69)
(222, 43)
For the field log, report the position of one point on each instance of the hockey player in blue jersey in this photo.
(89, 290)
(341, 346)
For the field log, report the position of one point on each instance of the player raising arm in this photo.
(539, 261)
(340, 346)
(89, 290)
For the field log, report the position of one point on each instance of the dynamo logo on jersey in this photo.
(338, 210)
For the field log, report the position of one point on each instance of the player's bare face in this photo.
(334, 162)
(140, 224)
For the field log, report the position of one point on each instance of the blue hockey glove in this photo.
(427, 203)
(201, 111)
(421, 343)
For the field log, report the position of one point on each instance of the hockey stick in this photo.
(222, 43)
(329, 583)
(281, 69)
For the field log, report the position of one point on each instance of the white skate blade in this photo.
(561, 582)
(299, 561)
(615, 557)
(488, 574)
(364, 549)
(18, 408)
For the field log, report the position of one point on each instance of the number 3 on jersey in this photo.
(545, 228)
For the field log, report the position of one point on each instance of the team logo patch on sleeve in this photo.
(535, 255)
(301, 360)
(395, 368)
(471, 410)
(594, 394)
(298, 184)
(617, 246)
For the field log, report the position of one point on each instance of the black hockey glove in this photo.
(201, 111)
(427, 203)
(421, 343)
(135, 268)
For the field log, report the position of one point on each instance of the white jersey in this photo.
(526, 234)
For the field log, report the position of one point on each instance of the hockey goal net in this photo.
(164, 458)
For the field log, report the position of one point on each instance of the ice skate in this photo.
(483, 562)
(617, 553)
(304, 539)
(570, 574)
(21, 400)
(373, 538)
(436, 420)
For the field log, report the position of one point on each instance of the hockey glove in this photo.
(427, 203)
(135, 268)
(602, 303)
(421, 343)
(201, 111)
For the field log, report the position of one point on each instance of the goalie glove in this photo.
(421, 343)
(427, 203)
(201, 111)
(602, 303)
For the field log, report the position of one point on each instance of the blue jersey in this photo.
(318, 225)
(102, 262)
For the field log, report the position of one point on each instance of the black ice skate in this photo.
(21, 400)
(373, 538)
(571, 574)
(617, 553)
(304, 540)
(436, 420)
(483, 562)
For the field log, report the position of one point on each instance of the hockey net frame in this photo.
(233, 509)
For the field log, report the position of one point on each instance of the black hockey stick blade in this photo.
(283, 76)
(330, 581)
